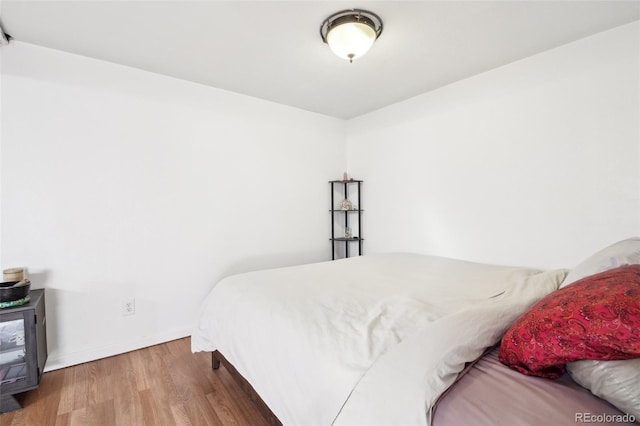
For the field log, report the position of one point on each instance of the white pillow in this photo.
(625, 252)
(618, 382)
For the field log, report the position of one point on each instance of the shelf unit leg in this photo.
(359, 221)
(333, 235)
(9, 403)
(346, 219)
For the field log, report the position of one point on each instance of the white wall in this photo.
(535, 163)
(118, 183)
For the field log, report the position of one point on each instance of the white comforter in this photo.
(367, 340)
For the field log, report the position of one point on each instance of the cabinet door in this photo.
(18, 366)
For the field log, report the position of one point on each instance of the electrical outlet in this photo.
(128, 306)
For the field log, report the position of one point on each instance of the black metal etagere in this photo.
(348, 220)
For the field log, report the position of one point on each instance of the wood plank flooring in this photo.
(160, 385)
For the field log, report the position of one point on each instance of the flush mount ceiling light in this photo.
(351, 33)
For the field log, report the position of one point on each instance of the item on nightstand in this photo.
(14, 291)
(13, 274)
(346, 205)
(19, 302)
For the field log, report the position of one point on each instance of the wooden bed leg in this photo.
(246, 388)
(215, 361)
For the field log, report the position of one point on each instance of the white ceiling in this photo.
(273, 50)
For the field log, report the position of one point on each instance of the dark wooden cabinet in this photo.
(23, 349)
(346, 217)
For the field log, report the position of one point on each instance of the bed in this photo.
(376, 339)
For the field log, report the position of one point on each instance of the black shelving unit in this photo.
(349, 216)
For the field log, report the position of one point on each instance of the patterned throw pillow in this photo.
(596, 318)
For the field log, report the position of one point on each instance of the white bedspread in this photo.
(366, 340)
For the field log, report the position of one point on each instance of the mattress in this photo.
(367, 340)
(491, 394)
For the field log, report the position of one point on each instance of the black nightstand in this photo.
(23, 349)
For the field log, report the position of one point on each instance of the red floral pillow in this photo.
(597, 318)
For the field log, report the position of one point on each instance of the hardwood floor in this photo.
(161, 385)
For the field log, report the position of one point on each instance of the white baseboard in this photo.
(61, 360)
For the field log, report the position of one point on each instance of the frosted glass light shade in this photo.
(351, 33)
(351, 40)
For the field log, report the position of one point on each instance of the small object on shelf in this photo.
(14, 290)
(345, 176)
(347, 232)
(19, 302)
(346, 205)
(13, 274)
